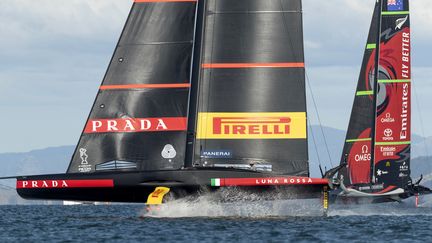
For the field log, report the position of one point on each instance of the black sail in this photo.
(392, 140)
(357, 148)
(139, 118)
(251, 100)
(378, 137)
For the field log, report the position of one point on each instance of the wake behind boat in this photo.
(198, 95)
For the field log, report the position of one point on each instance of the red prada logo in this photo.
(34, 184)
(136, 125)
(42, 184)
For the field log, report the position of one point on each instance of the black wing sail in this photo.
(358, 142)
(139, 118)
(378, 137)
(252, 104)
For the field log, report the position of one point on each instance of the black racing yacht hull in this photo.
(135, 187)
(338, 197)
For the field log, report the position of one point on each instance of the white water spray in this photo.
(235, 204)
(247, 205)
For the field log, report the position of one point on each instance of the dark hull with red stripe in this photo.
(136, 186)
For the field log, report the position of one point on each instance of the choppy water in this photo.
(197, 222)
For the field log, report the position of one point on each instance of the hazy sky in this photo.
(53, 57)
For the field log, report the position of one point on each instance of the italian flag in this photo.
(215, 182)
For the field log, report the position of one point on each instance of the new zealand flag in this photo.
(395, 5)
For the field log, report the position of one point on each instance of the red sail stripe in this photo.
(163, 1)
(255, 65)
(145, 86)
(122, 125)
(41, 184)
(272, 181)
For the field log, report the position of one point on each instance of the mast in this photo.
(375, 92)
(195, 84)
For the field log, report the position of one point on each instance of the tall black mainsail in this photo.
(198, 95)
(252, 102)
(138, 120)
(378, 142)
(359, 131)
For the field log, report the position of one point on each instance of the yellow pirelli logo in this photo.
(264, 125)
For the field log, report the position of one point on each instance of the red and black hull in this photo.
(137, 186)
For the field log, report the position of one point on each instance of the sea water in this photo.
(202, 221)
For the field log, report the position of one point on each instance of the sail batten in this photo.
(158, 43)
(145, 86)
(253, 65)
(395, 12)
(164, 1)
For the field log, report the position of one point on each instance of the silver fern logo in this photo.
(400, 22)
